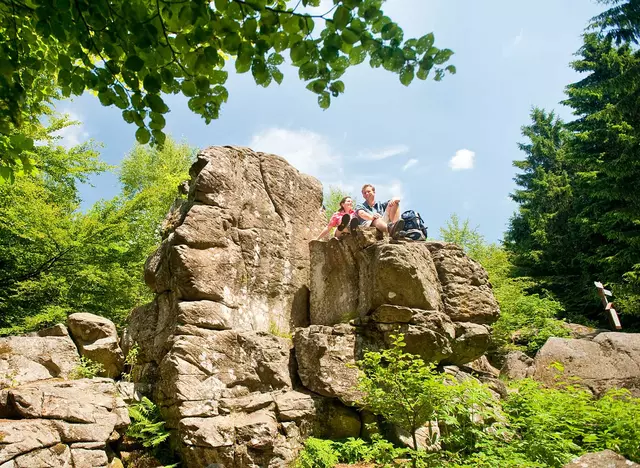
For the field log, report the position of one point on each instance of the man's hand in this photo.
(394, 201)
(377, 215)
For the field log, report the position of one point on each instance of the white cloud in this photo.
(463, 159)
(72, 135)
(511, 47)
(409, 163)
(307, 151)
(384, 153)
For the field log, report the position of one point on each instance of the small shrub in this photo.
(87, 369)
(317, 453)
(146, 424)
(130, 361)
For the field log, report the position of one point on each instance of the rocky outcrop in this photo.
(608, 360)
(25, 359)
(97, 339)
(60, 423)
(429, 291)
(604, 459)
(233, 266)
(237, 249)
(236, 277)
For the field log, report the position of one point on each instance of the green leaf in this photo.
(157, 121)
(357, 55)
(156, 104)
(134, 63)
(406, 75)
(317, 86)
(336, 88)
(341, 17)
(202, 83)
(188, 88)
(275, 59)
(280, 41)
(324, 100)
(277, 75)
(143, 136)
(424, 43)
(422, 74)
(152, 83)
(350, 37)
(298, 52)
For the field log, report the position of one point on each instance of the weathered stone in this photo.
(388, 313)
(431, 336)
(471, 342)
(609, 360)
(58, 455)
(483, 366)
(29, 358)
(427, 437)
(18, 437)
(294, 406)
(56, 330)
(223, 364)
(326, 361)
(207, 314)
(517, 365)
(581, 331)
(89, 458)
(604, 459)
(336, 421)
(97, 339)
(465, 284)
(349, 280)
(85, 401)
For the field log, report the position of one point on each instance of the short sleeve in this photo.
(335, 219)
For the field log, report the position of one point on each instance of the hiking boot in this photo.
(353, 225)
(343, 222)
(395, 228)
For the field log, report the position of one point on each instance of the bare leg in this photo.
(380, 225)
(393, 213)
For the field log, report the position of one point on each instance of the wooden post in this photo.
(614, 321)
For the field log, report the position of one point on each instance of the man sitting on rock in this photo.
(385, 217)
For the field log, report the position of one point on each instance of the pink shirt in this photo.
(337, 217)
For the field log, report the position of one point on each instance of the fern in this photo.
(146, 424)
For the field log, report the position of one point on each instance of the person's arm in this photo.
(324, 232)
(364, 214)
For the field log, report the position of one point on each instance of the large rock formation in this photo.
(236, 275)
(234, 264)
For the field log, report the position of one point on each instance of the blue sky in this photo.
(443, 147)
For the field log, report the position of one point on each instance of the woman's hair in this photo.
(341, 202)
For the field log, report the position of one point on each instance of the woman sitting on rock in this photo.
(342, 218)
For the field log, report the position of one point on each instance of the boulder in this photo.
(221, 364)
(351, 277)
(97, 339)
(604, 459)
(60, 423)
(467, 294)
(517, 365)
(609, 360)
(326, 361)
(26, 359)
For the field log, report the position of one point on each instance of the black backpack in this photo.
(414, 226)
